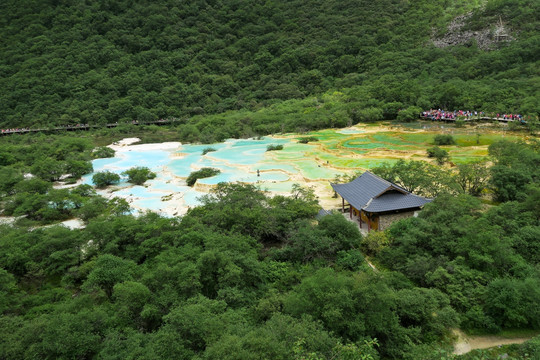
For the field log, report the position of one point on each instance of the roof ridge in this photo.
(392, 187)
(386, 181)
(369, 202)
(378, 177)
(419, 196)
(389, 182)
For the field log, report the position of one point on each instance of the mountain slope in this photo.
(95, 62)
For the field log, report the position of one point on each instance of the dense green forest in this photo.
(249, 276)
(68, 62)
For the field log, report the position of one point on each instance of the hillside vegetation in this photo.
(69, 62)
(249, 276)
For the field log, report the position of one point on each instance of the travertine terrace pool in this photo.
(338, 151)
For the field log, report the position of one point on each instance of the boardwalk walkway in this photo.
(80, 127)
(472, 118)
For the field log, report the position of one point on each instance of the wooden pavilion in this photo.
(377, 202)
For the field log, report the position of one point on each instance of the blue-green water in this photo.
(350, 131)
(336, 152)
(238, 161)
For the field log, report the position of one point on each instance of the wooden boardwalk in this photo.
(472, 118)
(82, 127)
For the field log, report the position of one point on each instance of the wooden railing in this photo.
(80, 127)
(471, 118)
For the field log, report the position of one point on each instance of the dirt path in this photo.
(371, 265)
(465, 343)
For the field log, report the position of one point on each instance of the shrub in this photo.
(103, 152)
(439, 154)
(48, 169)
(444, 140)
(207, 150)
(374, 242)
(105, 178)
(274, 147)
(531, 348)
(138, 175)
(32, 186)
(9, 177)
(305, 140)
(201, 174)
(409, 114)
(369, 114)
(514, 125)
(78, 168)
(350, 259)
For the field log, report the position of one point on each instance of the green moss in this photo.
(337, 150)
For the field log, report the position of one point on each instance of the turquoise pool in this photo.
(337, 152)
(238, 161)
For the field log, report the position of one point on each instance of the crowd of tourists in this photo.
(512, 117)
(439, 114)
(14, 130)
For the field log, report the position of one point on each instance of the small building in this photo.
(500, 33)
(377, 203)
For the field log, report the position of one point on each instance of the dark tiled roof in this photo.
(374, 194)
(323, 213)
(395, 201)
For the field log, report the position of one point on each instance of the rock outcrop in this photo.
(485, 38)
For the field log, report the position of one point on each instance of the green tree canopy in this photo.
(138, 175)
(105, 178)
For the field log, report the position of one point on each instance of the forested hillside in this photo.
(69, 62)
(249, 276)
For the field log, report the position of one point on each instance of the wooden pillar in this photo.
(343, 205)
(360, 218)
(368, 222)
(350, 211)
